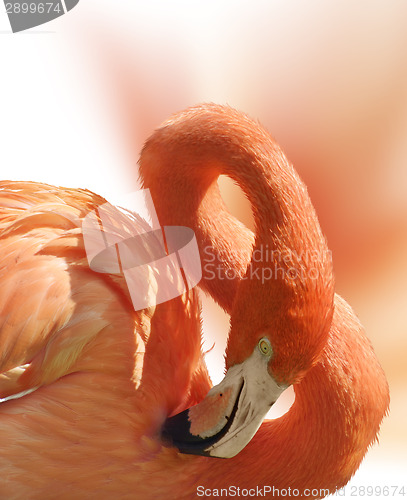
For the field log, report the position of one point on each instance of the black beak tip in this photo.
(176, 433)
(176, 428)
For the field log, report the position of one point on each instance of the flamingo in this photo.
(101, 400)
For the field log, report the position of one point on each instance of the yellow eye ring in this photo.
(265, 346)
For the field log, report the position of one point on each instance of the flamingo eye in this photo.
(265, 346)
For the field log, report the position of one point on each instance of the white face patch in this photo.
(252, 392)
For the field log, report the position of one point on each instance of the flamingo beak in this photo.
(229, 416)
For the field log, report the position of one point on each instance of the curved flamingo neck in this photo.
(182, 161)
(180, 165)
(337, 412)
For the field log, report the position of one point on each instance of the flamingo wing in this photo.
(51, 304)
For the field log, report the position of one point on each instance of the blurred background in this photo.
(79, 95)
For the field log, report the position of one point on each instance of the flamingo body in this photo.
(73, 336)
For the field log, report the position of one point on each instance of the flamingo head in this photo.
(229, 416)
